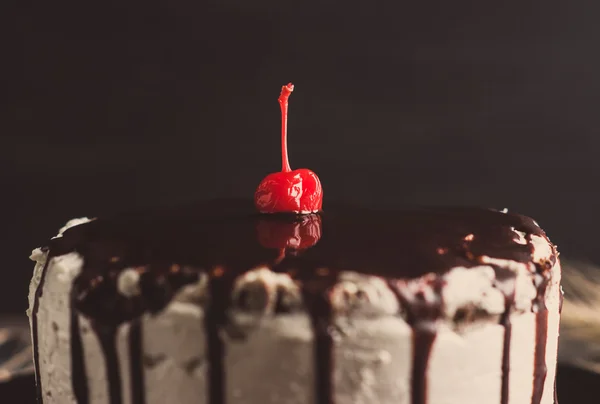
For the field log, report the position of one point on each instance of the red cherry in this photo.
(297, 191)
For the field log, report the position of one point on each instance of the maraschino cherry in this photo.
(297, 191)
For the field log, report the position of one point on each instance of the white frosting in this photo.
(128, 283)
(520, 237)
(269, 282)
(541, 249)
(273, 363)
(360, 294)
(525, 290)
(472, 287)
(73, 223)
(53, 322)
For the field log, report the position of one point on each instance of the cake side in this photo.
(165, 351)
(174, 352)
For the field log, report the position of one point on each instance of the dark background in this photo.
(122, 104)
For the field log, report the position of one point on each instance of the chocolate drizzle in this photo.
(138, 390)
(78, 372)
(507, 285)
(224, 239)
(215, 319)
(107, 336)
(422, 314)
(561, 298)
(541, 337)
(540, 368)
(34, 329)
(423, 337)
(316, 299)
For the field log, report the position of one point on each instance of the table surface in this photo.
(574, 387)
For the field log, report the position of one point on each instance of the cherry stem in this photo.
(283, 102)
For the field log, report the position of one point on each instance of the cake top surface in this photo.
(230, 235)
(227, 238)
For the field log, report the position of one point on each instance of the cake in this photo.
(216, 303)
(281, 301)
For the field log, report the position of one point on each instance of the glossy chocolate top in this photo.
(172, 247)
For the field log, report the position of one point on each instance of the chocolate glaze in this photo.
(138, 390)
(34, 331)
(561, 298)
(540, 368)
(215, 319)
(541, 336)
(423, 338)
(107, 336)
(507, 283)
(223, 239)
(316, 299)
(78, 371)
(422, 315)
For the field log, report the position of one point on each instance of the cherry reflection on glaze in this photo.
(295, 191)
(299, 233)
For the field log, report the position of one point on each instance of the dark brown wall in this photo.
(118, 105)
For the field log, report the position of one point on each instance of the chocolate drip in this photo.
(561, 298)
(136, 346)
(506, 360)
(215, 319)
(506, 283)
(423, 338)
(541, 337)
(78, 371)
(422, 315)
(540, 368)
(34, 329)
(107, 337)
(316, 299)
